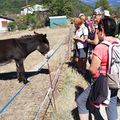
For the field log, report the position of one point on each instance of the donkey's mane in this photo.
(27, 36)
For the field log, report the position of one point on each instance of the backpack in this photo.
(113, 70)
(91, 35)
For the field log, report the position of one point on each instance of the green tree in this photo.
(66, 7)
(104, 4)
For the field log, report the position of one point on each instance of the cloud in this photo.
(114, 2)
(87, 1)
(111, 2)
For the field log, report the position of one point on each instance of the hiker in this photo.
(80, 38)
(98, 14)
(106, 31)
(117, 31)
(90, 23)
(106, 13)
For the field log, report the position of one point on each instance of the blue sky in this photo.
(111, 2)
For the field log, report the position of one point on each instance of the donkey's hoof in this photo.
(19, 80)
(25, 81)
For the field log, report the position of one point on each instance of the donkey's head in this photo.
(43, 43)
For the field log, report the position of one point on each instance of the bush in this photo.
(11, 26)
(31, 21)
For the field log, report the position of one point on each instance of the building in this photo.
(31, 9)
(4, 21)
(57, 21)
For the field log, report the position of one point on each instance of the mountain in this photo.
(111, 2)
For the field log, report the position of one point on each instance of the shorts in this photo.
(82, 53)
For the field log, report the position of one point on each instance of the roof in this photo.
(36, 7)
(54, 17)
(7, 18)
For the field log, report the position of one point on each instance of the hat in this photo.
(106, 13)
(99, 10)
(88, 17)
(81, 14)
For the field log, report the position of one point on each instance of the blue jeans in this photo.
(111, 110)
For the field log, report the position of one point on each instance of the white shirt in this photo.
(82, 31)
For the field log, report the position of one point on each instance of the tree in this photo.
(66, 7)
(104, 4)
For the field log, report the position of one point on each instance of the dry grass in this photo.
(69, 86)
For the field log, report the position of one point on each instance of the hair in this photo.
(109, 26)
(119, 28)
(77, 22)
(72, 20)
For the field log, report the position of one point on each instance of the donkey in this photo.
(18, 49)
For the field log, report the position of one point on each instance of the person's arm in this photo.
(82, 39)
(95, 64)
(95, 41)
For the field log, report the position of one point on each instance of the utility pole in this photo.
(26, 2)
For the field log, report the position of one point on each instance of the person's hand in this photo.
(76, 38)
(88, 40)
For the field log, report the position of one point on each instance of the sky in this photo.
(111, 2)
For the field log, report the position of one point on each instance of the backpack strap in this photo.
(106, 43)
(110, 49)
(109, 44)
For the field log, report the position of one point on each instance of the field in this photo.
(26, 104)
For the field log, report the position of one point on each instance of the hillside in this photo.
(11, 6)
(14, 6)
(58, 7)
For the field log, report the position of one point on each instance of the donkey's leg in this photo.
(20, 71)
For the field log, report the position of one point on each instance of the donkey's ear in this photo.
(35, 33)
(45, 35)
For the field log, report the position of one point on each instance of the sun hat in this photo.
(99, 11)
(106, 13)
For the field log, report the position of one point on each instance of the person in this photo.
(89, 21)
(115, 17)
(98, 14)
(80, 38)
(106, 13)
(82, 17)
(106, 31)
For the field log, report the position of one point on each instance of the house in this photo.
(4, 21)
(31, 9)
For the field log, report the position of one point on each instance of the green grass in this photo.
(65, 100)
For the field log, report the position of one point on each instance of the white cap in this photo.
(106, 13)
(88, 17)
(81, 14)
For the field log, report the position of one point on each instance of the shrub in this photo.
(11, 26)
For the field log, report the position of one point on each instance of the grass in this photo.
(68, 88)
